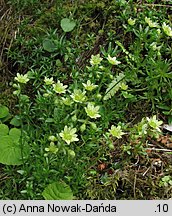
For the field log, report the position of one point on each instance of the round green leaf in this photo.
(4, 111)
(67, 24)
(3, 129)
(10, 151)
(58, 191)
(49, 45)
(15, 134)
(15, 121)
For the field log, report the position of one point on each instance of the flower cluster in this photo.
(151, 23)
(166, 28)
(148, 127)
(68, 135)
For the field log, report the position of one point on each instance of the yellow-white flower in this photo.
(89, 86)
(59, 87)
(67, 101)
(158, 31)
(68, 135)
(131, 21)
(151, 23)
(52, 148)
(154, 123)
(92, 111)
(78, 96)
(112, 60)
(22, 78)
(95, 59)
(167, 29)
(116, 131)
(48, 81)
(124, 86)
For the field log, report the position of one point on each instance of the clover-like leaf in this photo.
(4, 111)
(58, 191)
(67, 24)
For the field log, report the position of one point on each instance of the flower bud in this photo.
(15, 85)
(52, 138)
(111, 146)
(71, 153)
(93, 125)
(131, 21)
(74, 118)
(98, 96)
(83, 127)
(46, 95)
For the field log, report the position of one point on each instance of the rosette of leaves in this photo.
(11, 152)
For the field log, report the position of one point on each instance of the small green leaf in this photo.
(21, 172)
(49, 120)
(15, 121)
(58, 191)
(127, 95)
(170, 119)
(49, 45)
(166, 112)
(67, 24)
(6, 118)
(4, 111)
(3, 130)
(164, 107)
